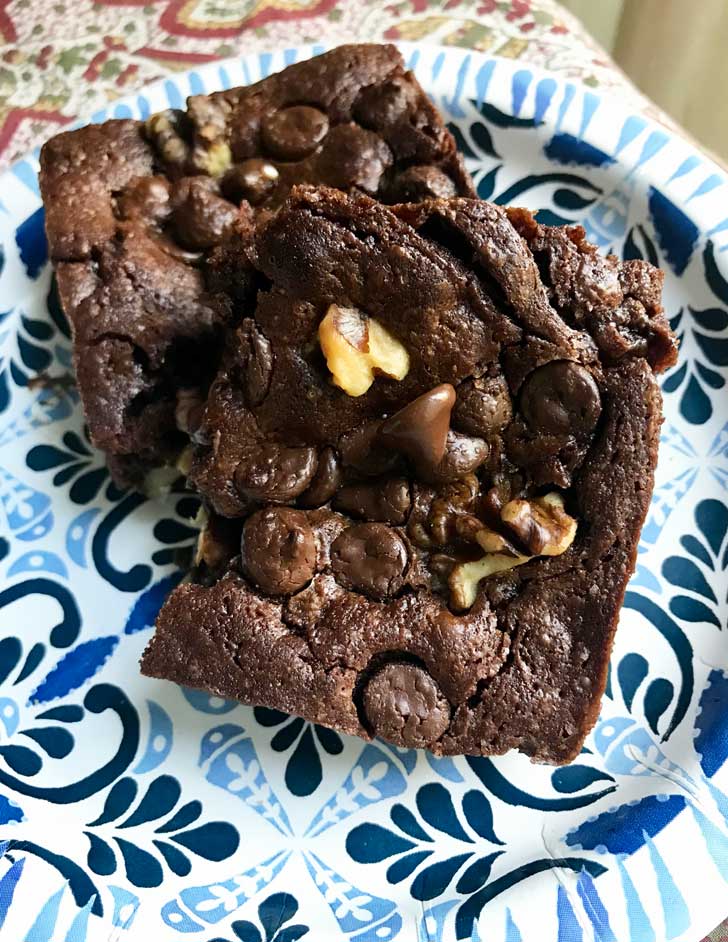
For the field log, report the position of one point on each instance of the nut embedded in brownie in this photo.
(437, 431)
(138, 215)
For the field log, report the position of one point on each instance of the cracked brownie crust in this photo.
(137, 216)
(428, 455)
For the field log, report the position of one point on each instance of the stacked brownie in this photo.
(137, 215)
(425, 434)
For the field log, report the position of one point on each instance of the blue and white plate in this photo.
(133, 809)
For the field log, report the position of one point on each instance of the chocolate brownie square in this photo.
(428, 453)
(137, 215)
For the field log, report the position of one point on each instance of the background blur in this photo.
(675, 51)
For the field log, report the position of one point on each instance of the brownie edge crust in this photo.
(340, 604)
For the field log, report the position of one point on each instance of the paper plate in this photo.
(133, 809)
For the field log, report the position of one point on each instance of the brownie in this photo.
(427, 456)
(138, 215)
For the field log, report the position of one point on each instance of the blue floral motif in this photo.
(76, 462)
(197, 905)
(661, 691)
(177, 533)
(273, 914)
(668, 494)
(304, 772)
(216, 840)
(31, 241)
(56, 742)
(416, 843)
(231, 762)
(373, 778)
(76, 667)
(360, 915)
(570, 784)
(707, 327)
(159, 739)
(676, 232)
(711, 741)
(32, 354)
(27, 510)
(707, 554)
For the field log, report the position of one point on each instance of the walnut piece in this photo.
(465, 577)
(356, 347)
(215, 160)
(164, 130)
(541, 524)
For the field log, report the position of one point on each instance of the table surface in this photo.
(63, 60)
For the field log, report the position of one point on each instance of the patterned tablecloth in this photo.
(64, 59)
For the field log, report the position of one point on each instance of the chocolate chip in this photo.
(561, 398)
(381, 106)
(293, 133)
(387, 500)
(200, 217)
(279, 550)
(404, 704)
(463, 455)
(420, 429)
(252, 180)
(420, 183)
(483, 406)
(370, 558)
(257, 362)
(353, 157)
(325, 481)
(273, 472)
(147, 199)
(361, 449)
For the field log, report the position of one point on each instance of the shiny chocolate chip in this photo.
(404, 704)
(274, 472)
(483, 407)
(362, 450)
(370, 558)
(420, 183)
(463, 455)
(325, 481)
(147, 199)
(279, 550)
(293, 133)
(381, 106)
(353, 157)
(561, 398)
(388, 500)
(252, 180)
(420, 429)
(199, 216)
(257, 362)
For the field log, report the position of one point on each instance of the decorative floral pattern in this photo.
(70, 58)
(134, 808)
